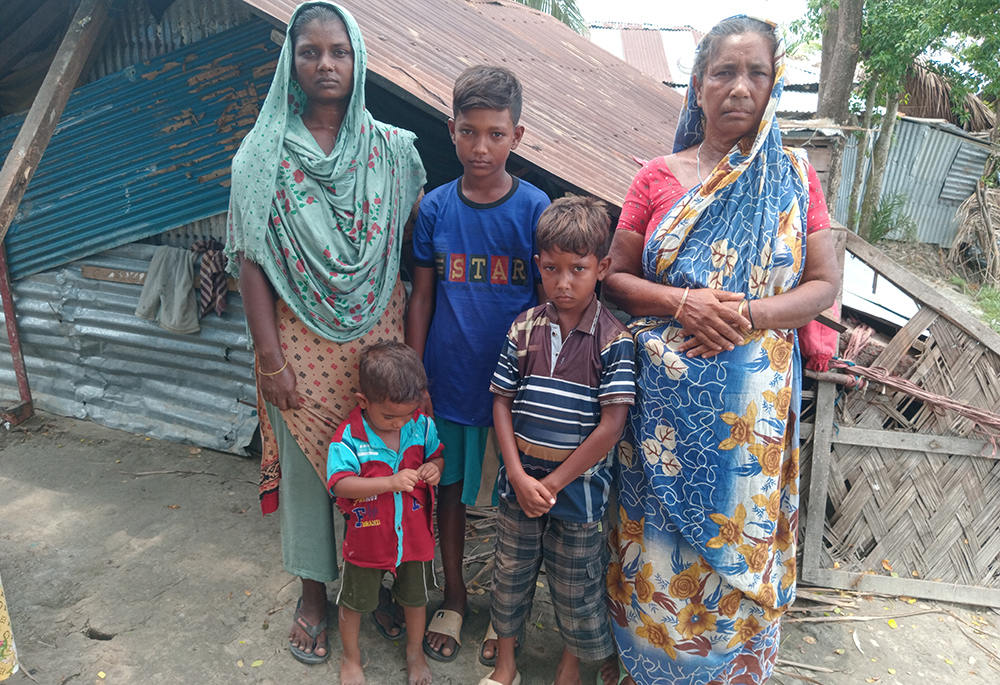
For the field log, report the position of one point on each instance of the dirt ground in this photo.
(130, 560)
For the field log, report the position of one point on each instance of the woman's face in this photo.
(324, 62)
(736, 86)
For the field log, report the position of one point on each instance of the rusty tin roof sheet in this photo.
(586, 112)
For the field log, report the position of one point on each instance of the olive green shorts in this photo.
(359, 586)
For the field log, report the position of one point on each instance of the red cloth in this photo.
(655, 190)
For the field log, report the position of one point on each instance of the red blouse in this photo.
(655, 190)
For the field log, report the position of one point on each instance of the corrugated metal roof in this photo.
(170, 125)
(969, 164)
(586, 113)
(934, 164)
(644, 51)
(667, 54)
(88, 355)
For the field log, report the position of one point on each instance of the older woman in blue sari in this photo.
(723, 250)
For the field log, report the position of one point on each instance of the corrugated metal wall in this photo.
(89, 356)
(934, 166)
(141, 151)
(136, 36)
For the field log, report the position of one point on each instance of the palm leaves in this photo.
(565, 11)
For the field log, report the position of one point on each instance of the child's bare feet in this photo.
(351, 672)
(610, 674)
(568, 670)
(416, 668)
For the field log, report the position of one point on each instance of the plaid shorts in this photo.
(576, 560)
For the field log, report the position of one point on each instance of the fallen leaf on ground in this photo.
(892, 671)
(195, 450)
(240, 663)
(173, 506)
(839, 651)
(100, 674)
(886, 565)
(247, 593)
(809, 639)
(258, 662)
(892, 623)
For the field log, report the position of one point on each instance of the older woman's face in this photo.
(324, 62)
(736, 86)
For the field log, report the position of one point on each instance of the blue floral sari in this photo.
(703, 558)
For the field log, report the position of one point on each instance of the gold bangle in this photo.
(275, 373)
(684, 298)
(739, 310)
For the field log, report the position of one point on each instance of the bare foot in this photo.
(568, 670)
(610, 673)
(417, 669)
(351, 672)
(443, 644)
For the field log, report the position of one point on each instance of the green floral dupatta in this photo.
(326, 229)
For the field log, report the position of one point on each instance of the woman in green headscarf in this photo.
(320, 195)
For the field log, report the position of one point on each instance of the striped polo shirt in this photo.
(559, 386)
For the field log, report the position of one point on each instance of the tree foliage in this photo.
(959, 39)
(565, 11)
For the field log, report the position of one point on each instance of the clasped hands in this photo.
(712, 322)
(406, 480)
(533, 496)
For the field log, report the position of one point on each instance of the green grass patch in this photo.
(988, 299)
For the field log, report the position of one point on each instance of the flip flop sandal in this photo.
(312, 631)
(492, 635)
(449, 623)
(390, 611)
(490, 681)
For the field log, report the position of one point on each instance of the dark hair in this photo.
(487, 87)
(734, 26)
(310, 13)
(578, 224)
(389, 371)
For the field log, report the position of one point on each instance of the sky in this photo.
(701, 14)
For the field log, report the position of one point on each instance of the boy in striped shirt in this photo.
(562, 389)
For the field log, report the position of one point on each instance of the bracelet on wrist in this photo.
(750, 315)
(684, 298)
(273, 373)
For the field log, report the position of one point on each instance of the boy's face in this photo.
(483, 140)
(386, 417)
(569, 278)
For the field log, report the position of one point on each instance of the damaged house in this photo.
(140, 158)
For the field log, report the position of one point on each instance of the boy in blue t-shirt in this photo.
(473, 246)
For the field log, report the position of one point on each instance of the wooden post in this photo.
(25, 409)
(24, 156)
(23, 159)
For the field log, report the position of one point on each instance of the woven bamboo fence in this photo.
(910, 492)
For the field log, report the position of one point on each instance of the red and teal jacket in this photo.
(385, 530)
